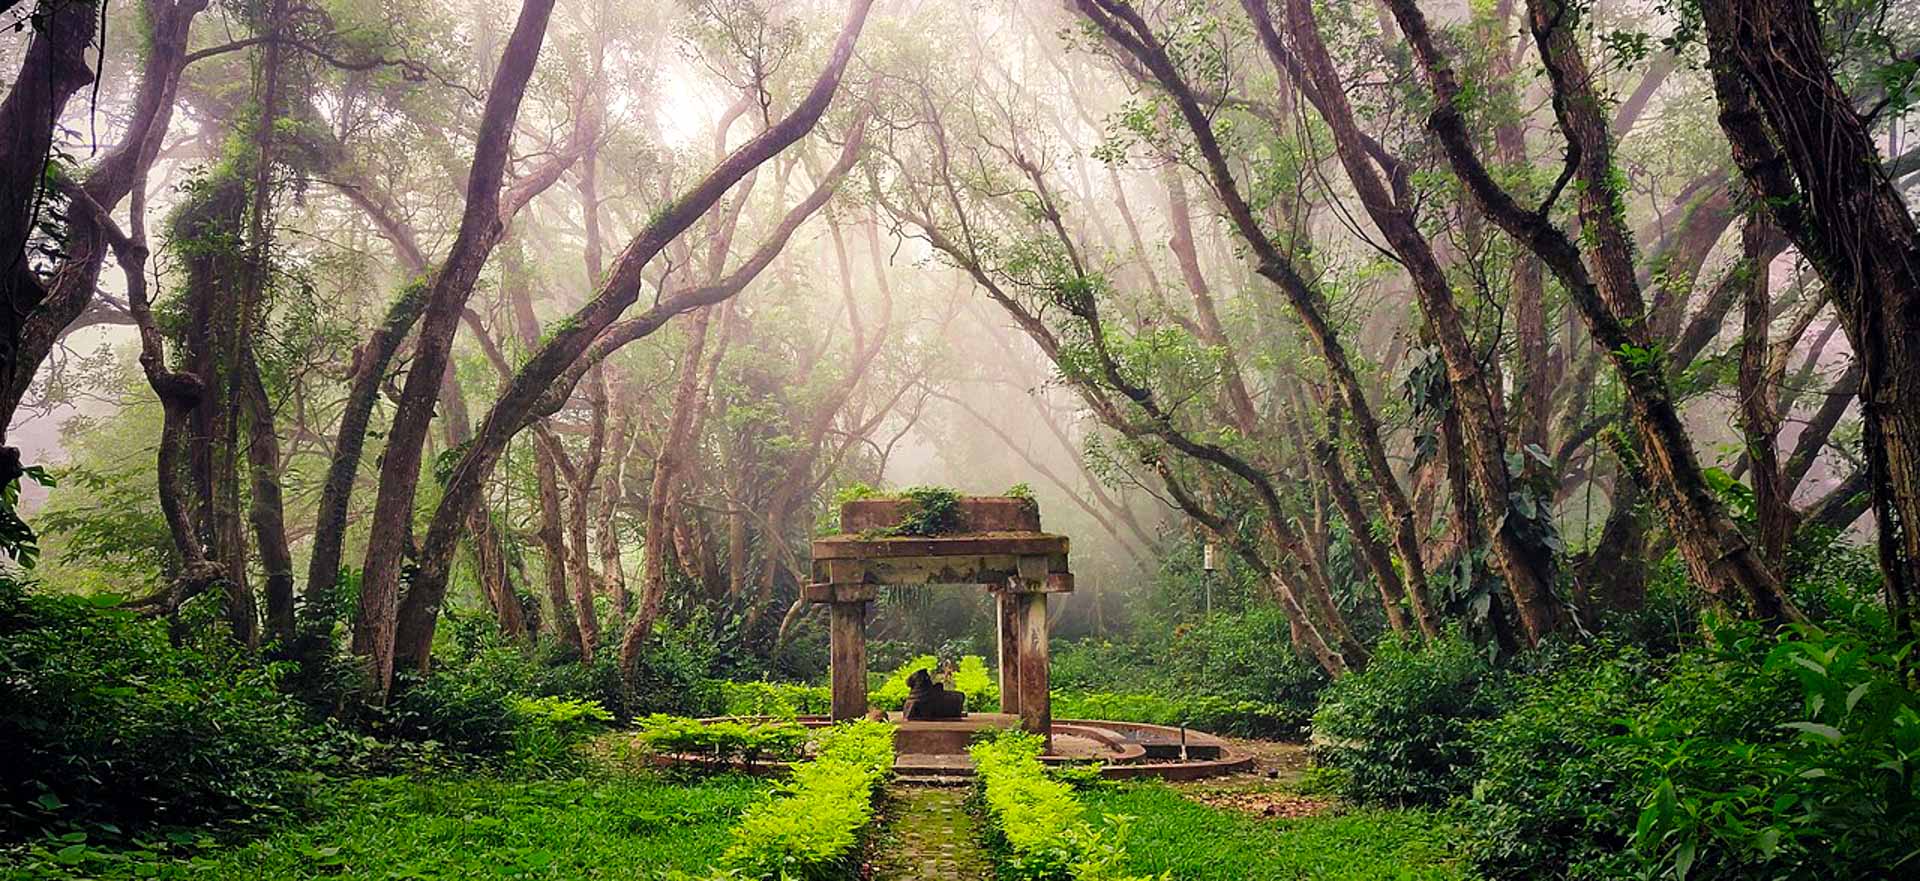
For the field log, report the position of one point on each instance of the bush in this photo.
(1829, 789)
(812, 826)
(1753, 756)
(1227, 673)
(107, 722)
(1554, 792)
(1206, 712)
(779, 699)
(546, 729)
(1039, 826)
(1400, 730)
(723, 741)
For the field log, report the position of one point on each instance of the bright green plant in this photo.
(972, 678)
(813, 825)
(721, 741)
(779, 699)
(546, 729)
(1040, 829)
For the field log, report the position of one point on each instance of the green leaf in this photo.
(1826, 731)
(1683, 861)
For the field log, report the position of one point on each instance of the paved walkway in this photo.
(929, 837)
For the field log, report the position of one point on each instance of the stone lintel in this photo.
(842, 593)
(1034, 573)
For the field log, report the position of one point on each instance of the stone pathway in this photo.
(929, 837)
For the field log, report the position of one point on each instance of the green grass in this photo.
(1199, 843)
(625, 828)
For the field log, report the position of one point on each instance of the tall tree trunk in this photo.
(1809, 156)
(376, 626)
(1717, 555)
(1759, 424)
(267, 510)
(53, 69)
(551, 532)
(208, 231)
(552, 370)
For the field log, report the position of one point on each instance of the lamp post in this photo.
(1208, 556)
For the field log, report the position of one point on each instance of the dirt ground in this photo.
(1268, 788)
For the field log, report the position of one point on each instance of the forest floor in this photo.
(627, 823)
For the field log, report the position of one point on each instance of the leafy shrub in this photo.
(1554, 793)
(1401, 728)
(721, 741)
(1831, 792)
(462, 711)
(1753, 756)
(547, 728)
(108, 722)
(936, 511)
(972, 678)
(1222, 673)
(780, 699)
(812, 826)
(1206, 712)
(1039, 826)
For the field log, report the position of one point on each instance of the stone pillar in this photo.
(847, 642)
(1036, 705)
(1007, 615)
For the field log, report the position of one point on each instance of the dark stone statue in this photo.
(928, 700)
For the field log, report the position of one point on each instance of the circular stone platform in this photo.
(937, 751)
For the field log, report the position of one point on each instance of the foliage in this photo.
(720, 741)
(1210, 713)
(1552, 796)
(455, 827)
(1038, 823)
(108, 722)
(779, 699)
(1831, 791)
(1221, 673)
(813, 824)
(17, 541)
(1401, 729)
(936, 511)
(1752, 756)
(1193, 842)
(547, 728)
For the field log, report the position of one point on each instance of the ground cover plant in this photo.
(450, 827)
(1190, 841)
